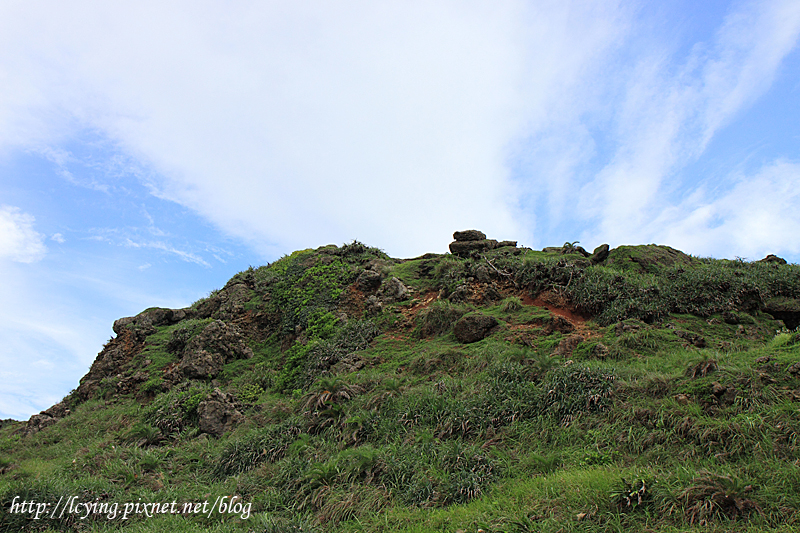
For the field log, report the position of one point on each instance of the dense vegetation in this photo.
(652, 391)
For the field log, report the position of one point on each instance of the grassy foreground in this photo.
(647, 392)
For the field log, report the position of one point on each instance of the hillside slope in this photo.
(495, 388)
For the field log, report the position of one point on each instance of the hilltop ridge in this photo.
(341, 375)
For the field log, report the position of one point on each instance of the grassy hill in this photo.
(510, 389)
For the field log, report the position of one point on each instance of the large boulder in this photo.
(218, 413)
(368, 281)
(465, 248)
(393, 290)
(472, 241)
(150, 318)
(207, 352)
(649, 258)
(469, 235)
(473, 327)
(599, 255)
(232, 299)
(771, 258)
(785, 309)
(111, 361)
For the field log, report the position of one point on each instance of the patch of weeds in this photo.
(152, 386)
(571, 391)
(247, 452)
(142, 434)
(438, 318)
(437, 474)
(511, 304)
(541, 464)
(713, 496)
(633, 495)
(250, 393)
(175, 410)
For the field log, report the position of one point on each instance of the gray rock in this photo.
(464, 248)
(209, 350)
(481, 273)
(474, 327)
(691, 337)
(393, 290)
(491, 294)
(600, 351)
(368, 281)
(469, 235)
(147, 319)
(232, 299)
(218, 414)
(599, 255)
(373, 305)
(38, 422)
(460, 294)
(560, 324)
(773, 259)
(568, 345)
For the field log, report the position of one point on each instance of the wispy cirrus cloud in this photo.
(669, 115)
(165, 247)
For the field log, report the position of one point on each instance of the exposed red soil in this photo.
(556, 305)
(421, 303)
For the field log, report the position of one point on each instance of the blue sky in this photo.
(149, 151)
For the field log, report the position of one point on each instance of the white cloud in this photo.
(757, 216)
(58, 238)
(18, 240)
(669, 116)
(297, 126)
(165, 247)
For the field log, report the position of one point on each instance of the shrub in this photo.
(250, 393)
(572, 391)
(247, 452)
(438, 318)
(177, 409)
(511, 304)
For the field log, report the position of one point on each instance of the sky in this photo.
(151, 150)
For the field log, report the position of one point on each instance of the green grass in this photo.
(426, 434)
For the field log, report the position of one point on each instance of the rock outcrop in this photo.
(773, 259)
(785, 309)
(207, 352)
(473, 327)
(218, 414)
(393, 290)
(599, 255)
(474, 241)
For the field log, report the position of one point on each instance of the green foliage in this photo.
(307, 288)
(432, 435)
(181, 333)
(439, 318)
(142, 434)
(328, 341)
(634, 495)
(152, 385)
(450, 272)
(247, 452)
(250, 393)
(176, 409)
(511, 304)
(574, 391)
